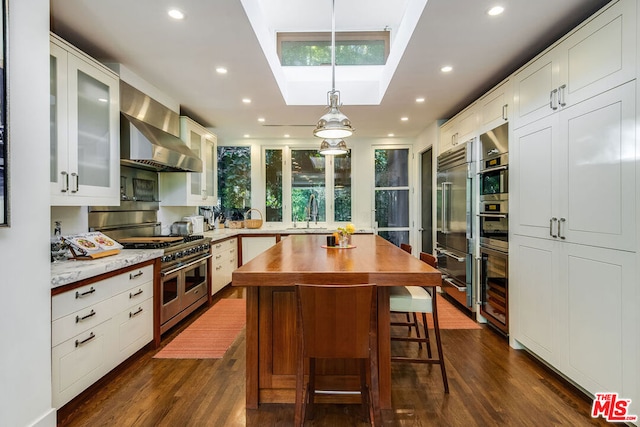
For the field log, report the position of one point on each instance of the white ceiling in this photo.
(180, 57)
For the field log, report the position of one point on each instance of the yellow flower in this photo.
(350, 228)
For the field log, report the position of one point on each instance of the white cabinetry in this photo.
(576, 310)
(597, 56)
(193, 188)
(571, 178)
(252, 246)
(574, 184)
(459, 129)
(493, 108)
(97, 326)
(85, 130)
(224, 261)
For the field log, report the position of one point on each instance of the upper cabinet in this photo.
(459, 129)
(84, 121)
(597, 56)
(193, 188)
(494, 107)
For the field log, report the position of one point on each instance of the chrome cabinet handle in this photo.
(135, 313)
(135, 275)
(551, 221)
(66, 179)
(561, 100)
(504, 112)
(552, 99)
(492, 215)
(458, 287)
(84, 294)
(86, 340)
(136, 294)
(80, 319)
(77, 178)
(561, 221)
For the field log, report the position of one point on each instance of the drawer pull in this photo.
(84, 294)
(86, 340)
(136, 294)
(218, 256)
(135, 313)
(219, 245)
(218, 267)
(133, 276)
(80, 319)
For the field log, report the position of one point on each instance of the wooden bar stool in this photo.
(415, 299)
(337, 322)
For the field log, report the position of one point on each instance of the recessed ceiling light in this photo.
(261, 119)
(246, 100)
(286, 135)
(103, 100)
(404, 119)
(446, 69)
(391, 135)
(176, 13)
(496, 10)
(221, 70)
(421, 99)
(246, 135)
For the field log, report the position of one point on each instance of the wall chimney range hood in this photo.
(149, 135)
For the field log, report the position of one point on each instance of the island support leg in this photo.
(252, 349)
(384, 348)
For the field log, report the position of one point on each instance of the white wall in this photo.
(25, 318)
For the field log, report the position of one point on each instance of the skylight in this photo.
(359, 84)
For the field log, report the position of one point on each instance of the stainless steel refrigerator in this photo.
(454, 246)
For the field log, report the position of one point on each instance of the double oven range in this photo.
(494, 227)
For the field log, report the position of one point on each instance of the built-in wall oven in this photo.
(493, 216)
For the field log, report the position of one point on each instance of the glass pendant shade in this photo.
(333, 124)
(333, 147)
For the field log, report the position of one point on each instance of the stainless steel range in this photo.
(184, 273)
(183, 282)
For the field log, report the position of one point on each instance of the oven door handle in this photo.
(173, 270)
(451, 255)
(494, 169)
(492, 215)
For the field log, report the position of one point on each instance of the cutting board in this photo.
(156, 239)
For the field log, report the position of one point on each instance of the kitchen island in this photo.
(270, 279)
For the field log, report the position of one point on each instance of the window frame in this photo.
(322, 36)
(409, 187)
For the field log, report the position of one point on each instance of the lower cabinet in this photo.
(225, 260)
(96, 327)
(575, 306)
(252, 246)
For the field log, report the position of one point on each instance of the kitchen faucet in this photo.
(312, 209)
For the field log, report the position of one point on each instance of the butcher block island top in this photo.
(302, 259)
(271, 309)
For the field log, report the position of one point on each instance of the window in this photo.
(234, 181)
(352, 48)
(318, 187)
(273, 185)
(392, 194)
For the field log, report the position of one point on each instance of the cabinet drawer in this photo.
(82, 320)
(133, 329)
(80, 298)
(134, 295)
(132, 278)
(79, 362)
(224, 246)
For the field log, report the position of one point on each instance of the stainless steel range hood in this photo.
(149, 135)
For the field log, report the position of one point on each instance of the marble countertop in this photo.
(65, 272)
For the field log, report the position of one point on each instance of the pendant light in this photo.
(333, 146)
(333, 125)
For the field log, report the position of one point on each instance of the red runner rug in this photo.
(450, 317)
(210, 335)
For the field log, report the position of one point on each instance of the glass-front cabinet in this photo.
(84, 129)
(193, 188)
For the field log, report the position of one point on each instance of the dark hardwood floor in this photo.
(491, 384)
